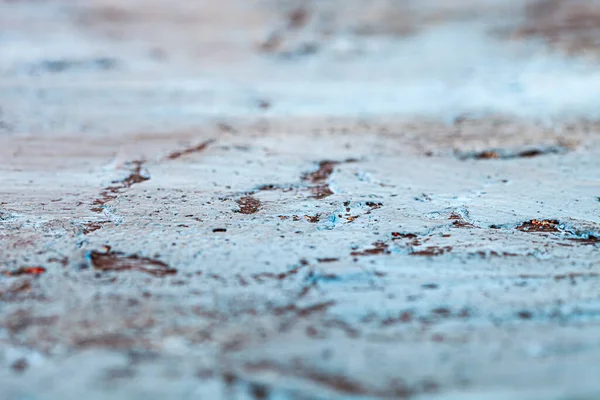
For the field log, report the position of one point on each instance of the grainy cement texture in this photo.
(299, 200)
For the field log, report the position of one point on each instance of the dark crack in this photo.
(117, 261)
(190, 150)
(110, 193)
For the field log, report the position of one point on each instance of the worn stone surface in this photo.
(299, 200)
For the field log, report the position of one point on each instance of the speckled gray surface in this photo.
(299, 200)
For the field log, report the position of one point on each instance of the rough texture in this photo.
(299, 200)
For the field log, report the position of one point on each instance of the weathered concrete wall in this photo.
(299, 200)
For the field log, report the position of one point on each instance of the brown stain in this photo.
(272, 187)
(93, 226)
(298, 18)
(432, 251)
(486, 155)
(110, 192)
(313, 218)
(303, 311)
(405, 317)
(460, 222)
(508, 154)
(338, 383)
(398, 235)
(25, 271)
(322, 173)
(16, 290)
(546, 225)
(379, 247)
(320, 188)
(108, 340)
(572, 26)
(321, 191)
(190, 150)
(20, 320)
(441, 312)
(282, 275)
(343, 384)
(249, 205)
(117, 261)
(295, 20)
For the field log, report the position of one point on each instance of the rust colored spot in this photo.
(379, 248)
(21, 320)
(116, 261)
(398, 235)
(484, 155)
(396, 388)
(507, 154)
(405, 317)
(546, 225)
(267, 187)
(109, 340)
(315, 308)
(321, 191)
(432, 251)
(459, 221)
(313, 218)
(26, 271)
(338, 383)
(249, 205)
(194, 149)
(110, 193)
(321, 174)
(373, 205)
(135, 176)
(93, 226)
(298, 18)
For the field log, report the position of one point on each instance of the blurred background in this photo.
(285, 199)
(165, 63)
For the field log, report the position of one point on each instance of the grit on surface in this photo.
(299, 199)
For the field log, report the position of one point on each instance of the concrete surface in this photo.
(299, 199)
